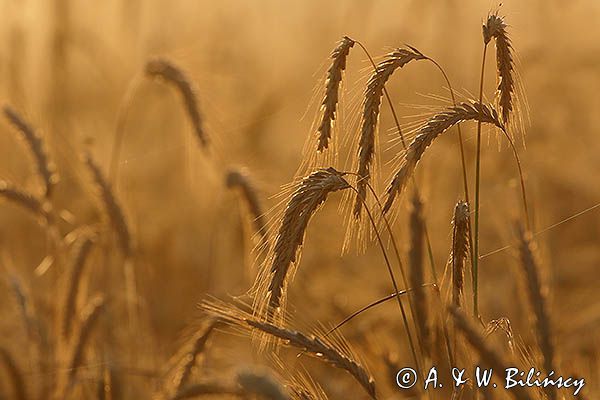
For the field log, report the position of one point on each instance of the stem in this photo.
(475, 258)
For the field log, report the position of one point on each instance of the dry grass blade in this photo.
(331, 97)
(537, 297)
(460, 249)
(112, 207)
(427, 133)
(171, 73)
(309, 195)
(187, 362)
(14, 373)
(310, 344)
(486, 353)
(370, 115)
(417, 272)
(45, 167)
(495, 27)
(241, 180)
(26, 200)
(73, 284)
(262, 384)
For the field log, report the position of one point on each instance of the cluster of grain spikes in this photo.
(304, 202)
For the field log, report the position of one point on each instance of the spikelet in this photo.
(26, 200)
(460, 248)
(165, 69)
(45, 167)
(112, 207)
(426, 134)
(370, 116)
(331, 96)
(309, 195)
(496, 28)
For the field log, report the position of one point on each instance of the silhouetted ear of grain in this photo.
(72, 285)
(370, 116)
(262, 384)
(13, 372)
(317, 347)
(537, 297)
(495, 27)
(490, 357)
(45, 167)
(112, 207)
(417, 272)
(165, 69)
(331, 97)
(426, 134)
(192, 352)
(460, 248)
(26, 200)
(309, 195)
(239, 179)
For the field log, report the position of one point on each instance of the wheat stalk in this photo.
(331, 96)
(460, 248)
(426, 134)
(15, 375)
(309, 195)
(496, 28)
(370, 115)
(165, 69)
(45, 167)
(537, 297)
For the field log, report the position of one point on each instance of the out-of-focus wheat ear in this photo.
(72, 283)
(38, 208)
(537, 297)
(460, 248)
(306, 199)
(427, 133)
(487, 354)
(261, 383)
(171, 73)
(496, 28)
(196, 347)
(87, 321)
(15, 375)
(370, 116)
(417, 272)
(46, 169)
(240, 179)
(112, 207)
(331, 97)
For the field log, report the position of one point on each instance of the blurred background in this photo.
(258, 67)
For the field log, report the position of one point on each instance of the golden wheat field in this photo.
(299, 200)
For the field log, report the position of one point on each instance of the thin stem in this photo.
(475, 258)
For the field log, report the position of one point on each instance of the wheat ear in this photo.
(165, 69)
(45, 167)
(496, 28)
(112, 207)
(370, 115)
(309, 195)
(426, 134)
(14, 373)
(485, 352)
(331, 97)
(317, 347)
(240, 179)
(26, 200)
(460, 249)
(537, 297)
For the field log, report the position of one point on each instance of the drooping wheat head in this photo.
(370, 115)
(426, 134)
(38, 208)
(240, 179)
(460, 248)
(171, 73)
